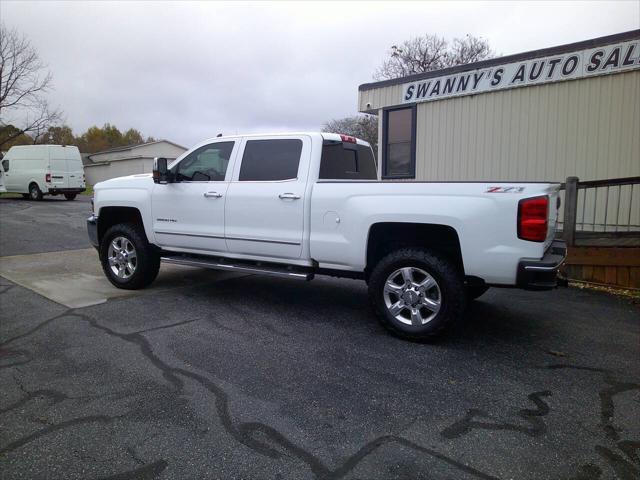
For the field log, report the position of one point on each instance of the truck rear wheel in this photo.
(70, 196)
(127, 258)
(417, 294)
(34, 192)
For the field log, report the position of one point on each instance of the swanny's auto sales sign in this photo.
(568, 66)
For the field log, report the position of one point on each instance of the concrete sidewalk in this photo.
(74, 278)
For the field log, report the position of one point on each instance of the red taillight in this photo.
(47, 178)
(533, 214)
(348, 138)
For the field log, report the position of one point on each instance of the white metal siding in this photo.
(589, 128)
(120, 168)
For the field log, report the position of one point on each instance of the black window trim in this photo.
(385, 121)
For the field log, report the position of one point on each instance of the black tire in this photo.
(70, 196)
(25, 195)
(449, 282)
(147, 258)
(34, 192)
(476, 291)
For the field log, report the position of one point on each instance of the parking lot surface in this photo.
(254, 377)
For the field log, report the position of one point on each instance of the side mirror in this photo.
(160, 170)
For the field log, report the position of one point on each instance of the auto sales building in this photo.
(571, 110)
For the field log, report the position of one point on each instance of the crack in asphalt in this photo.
(245, 432)
(271, 443)
(6, 288)
(623, 468)
(171, 325)
(607, 407)
(15, 353)
(147, 472)
(537, 428)
(54, 395)
(54, 428)
(67, 313)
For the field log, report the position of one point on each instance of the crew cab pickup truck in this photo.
(298, 205)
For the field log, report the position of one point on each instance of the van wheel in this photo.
(70, 196)
(417, 294)
(34, 192)
(25, 195)
(127, 258)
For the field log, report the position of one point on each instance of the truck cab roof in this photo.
(338, 137)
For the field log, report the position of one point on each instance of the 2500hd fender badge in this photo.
(504, 190)
(172, 220)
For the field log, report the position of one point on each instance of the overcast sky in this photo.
(187, 71)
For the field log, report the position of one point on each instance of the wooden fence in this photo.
(601, 225)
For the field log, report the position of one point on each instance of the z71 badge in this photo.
(504, 190)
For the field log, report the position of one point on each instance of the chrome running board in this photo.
(245, 268)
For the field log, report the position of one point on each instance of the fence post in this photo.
(570, 210)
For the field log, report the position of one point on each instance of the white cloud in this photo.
(187, 71)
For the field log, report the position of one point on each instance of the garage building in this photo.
(571, 110)
(129, 160)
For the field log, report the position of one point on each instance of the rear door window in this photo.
(270, 160)
(347, 161)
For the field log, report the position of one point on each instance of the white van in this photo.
(2, 189)
(37, 170)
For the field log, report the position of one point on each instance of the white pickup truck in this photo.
(297, 205)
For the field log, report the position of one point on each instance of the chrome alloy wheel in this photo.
(412, 296)
(123, 258)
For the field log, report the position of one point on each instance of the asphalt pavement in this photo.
(255, 377)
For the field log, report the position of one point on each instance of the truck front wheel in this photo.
(127, 258)
(417, 294)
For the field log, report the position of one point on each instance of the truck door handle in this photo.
(289, 196)
(212, 194)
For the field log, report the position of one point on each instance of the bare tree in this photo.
(361, 126)
(24, 82)
(430, 52)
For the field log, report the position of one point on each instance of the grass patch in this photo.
(88, 192)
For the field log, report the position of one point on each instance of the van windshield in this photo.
(347, 161)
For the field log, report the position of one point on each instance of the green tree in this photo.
(96, 139)
(62, 135)
(364, 127)
(11, 135)
(132, 137)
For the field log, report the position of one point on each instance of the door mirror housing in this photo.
(161, 172)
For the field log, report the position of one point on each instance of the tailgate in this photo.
(554, 212)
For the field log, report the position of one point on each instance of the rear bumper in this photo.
(542, 274)
(92, 230)
(54, 190)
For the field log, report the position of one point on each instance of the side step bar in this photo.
(237, 267)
